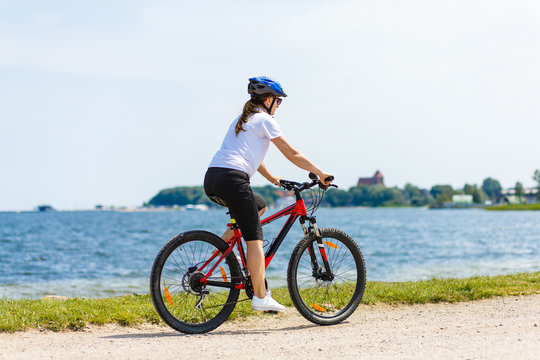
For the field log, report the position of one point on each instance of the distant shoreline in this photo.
(202, 207)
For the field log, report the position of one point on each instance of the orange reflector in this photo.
(332, 245)
(223, 274)
(168, 295)
(319, 308)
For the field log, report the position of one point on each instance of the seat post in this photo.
(233, 225)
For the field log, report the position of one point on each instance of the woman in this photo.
(240, 156)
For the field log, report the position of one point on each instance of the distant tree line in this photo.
(362, 195)
(185, 195)
(182, 195)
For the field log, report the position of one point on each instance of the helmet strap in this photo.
(271, 105)
(253, 96)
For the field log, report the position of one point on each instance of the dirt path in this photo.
(502, 328)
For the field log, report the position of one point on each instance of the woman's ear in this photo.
(267, 101)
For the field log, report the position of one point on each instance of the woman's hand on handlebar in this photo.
(276, 180)
(326, 178)
(293, 185)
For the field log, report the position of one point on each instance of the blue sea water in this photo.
(97, 254)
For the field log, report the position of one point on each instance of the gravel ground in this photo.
(500, 328)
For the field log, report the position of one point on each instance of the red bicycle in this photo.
(197, 277)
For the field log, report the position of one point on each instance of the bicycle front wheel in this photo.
(320, 297)
(182, 301)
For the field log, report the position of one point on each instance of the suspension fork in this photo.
(311, 249)
(313, 229)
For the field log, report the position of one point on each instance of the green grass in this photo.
(132, 310)
(452, 290)
(515, 207)
(75, 313)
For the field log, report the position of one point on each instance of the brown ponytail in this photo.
(249, 108)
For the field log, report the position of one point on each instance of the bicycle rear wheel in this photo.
(321, 298)
(178, 296)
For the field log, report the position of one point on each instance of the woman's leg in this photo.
(255, 264)
(227, 234)
(255, 261)
(261, 301)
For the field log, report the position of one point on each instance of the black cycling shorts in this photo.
(232, 189)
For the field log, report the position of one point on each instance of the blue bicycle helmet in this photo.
(264, 85)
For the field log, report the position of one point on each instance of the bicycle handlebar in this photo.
(296, 186)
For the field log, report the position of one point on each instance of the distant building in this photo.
(462, 199)
(376, 179)
(508, 196)
(514, 199)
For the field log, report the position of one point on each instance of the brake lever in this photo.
(322, 186)
(325, 187)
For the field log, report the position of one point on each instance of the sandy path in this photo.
(502, 328)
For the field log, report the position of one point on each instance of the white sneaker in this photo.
(266, 304)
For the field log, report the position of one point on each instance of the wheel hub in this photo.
(191, 282)
(322, 278)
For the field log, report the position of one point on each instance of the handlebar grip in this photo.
(312, 176)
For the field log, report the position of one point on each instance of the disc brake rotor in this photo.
(191, 282)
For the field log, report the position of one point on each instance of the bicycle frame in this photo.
(295, 211)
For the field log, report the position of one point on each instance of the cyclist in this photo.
(240, 156)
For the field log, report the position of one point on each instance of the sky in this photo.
(109, 102)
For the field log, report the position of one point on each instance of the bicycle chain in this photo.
(229, 303)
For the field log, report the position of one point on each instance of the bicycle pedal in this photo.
(271, 312)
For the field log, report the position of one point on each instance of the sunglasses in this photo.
(279, 100)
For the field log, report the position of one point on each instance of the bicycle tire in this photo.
(327, 302)
(173, 274)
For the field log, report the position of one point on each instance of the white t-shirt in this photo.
(246, 151)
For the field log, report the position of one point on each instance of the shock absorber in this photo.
(320, 243)
(313, 227)
(303, 223)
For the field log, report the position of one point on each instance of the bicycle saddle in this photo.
(218, 200)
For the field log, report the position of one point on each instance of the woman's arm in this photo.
(264, 172)
(298, 159)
